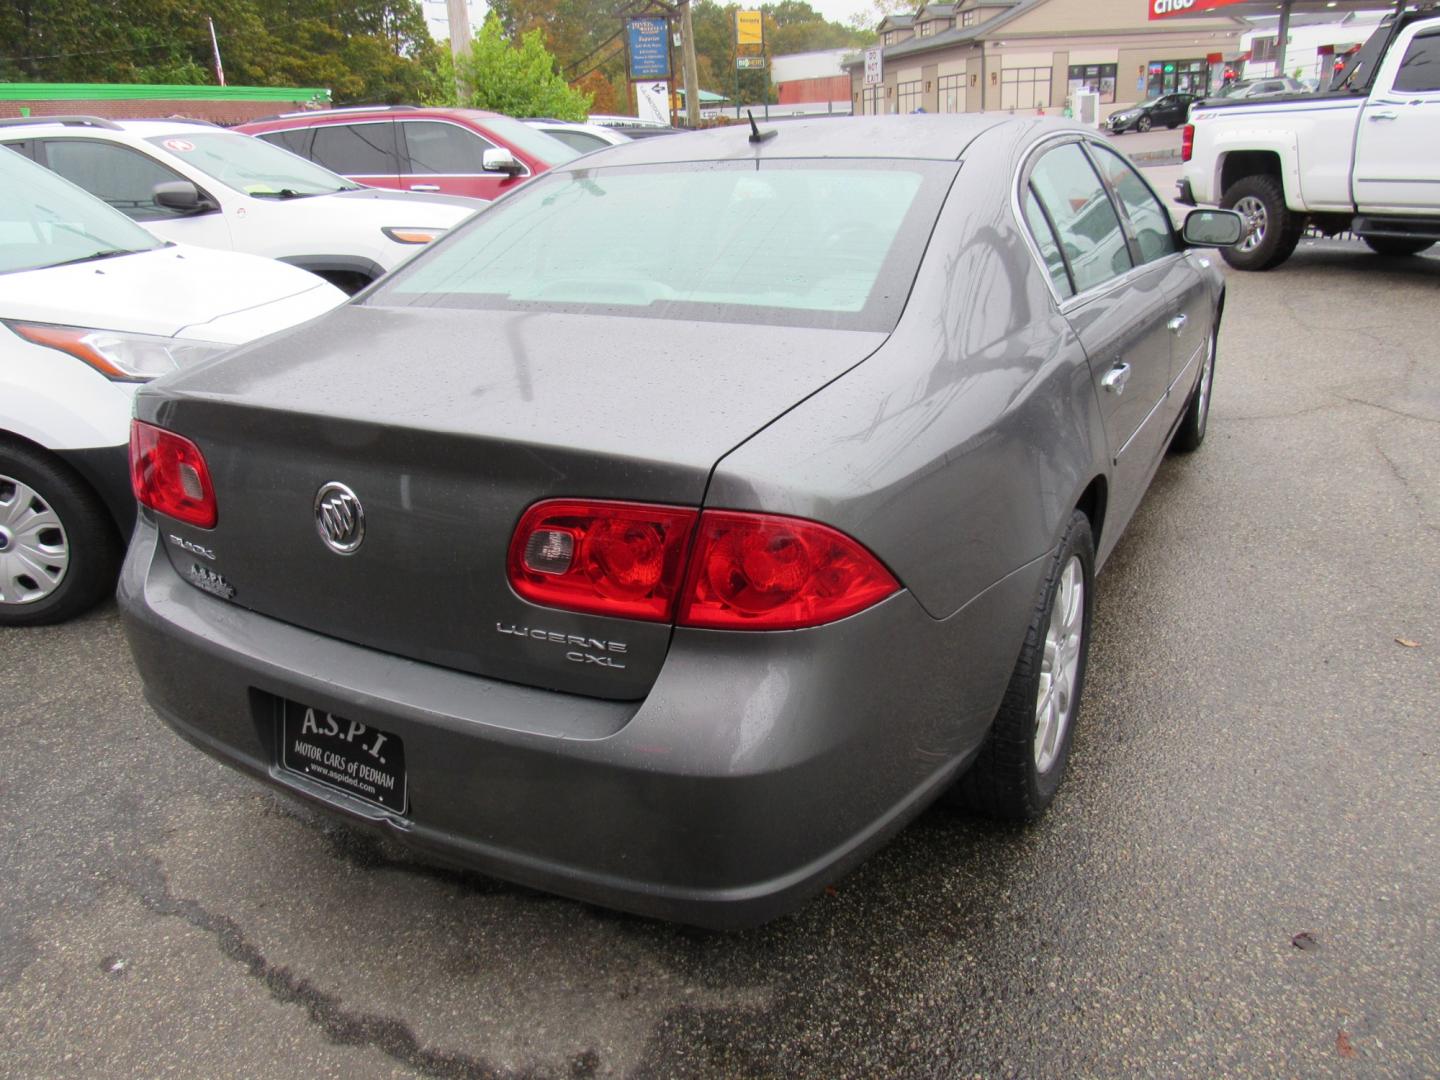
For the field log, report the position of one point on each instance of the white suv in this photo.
(194, 183)
(91, 305)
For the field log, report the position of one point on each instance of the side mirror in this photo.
(1213, 228)
(181, 195)
(500, 160)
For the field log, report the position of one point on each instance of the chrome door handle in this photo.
(1384, 116)
(424, 187)
(1178, 323)
(1116, 378)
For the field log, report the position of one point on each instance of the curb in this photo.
(1156, 157)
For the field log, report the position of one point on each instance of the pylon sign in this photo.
(749, 28)
(647, 40)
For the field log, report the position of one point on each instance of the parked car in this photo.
(1168, 111)
(92, 306)
(1248, 89)
(194, 183)
(581, 138)
(1363, 158)
(466, 152)
(746, 534)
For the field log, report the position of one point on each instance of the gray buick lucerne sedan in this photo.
(677, 529)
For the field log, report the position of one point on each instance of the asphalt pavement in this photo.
(1240, 878)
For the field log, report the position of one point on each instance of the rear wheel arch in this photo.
(1239, 164)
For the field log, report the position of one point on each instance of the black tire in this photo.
(85, 530)
(1279, 229)
(1006, 780)
(1144, 124)
(1397, 245)
(1191, 432)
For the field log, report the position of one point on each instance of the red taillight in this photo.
(168, 474)
(1187, 143)
(747, 571)
(763, 572)
(609, 558)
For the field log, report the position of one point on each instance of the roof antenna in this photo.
(756, 135)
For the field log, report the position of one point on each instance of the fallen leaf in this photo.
(1407, 643)
(1342, 1045)
(1304, 940)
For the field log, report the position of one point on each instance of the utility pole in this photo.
(692, 75)
(458, 15)
(215, 45)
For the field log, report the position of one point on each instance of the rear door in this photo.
(1397, 153)
(1118, 308)
(365, 151)
(446, 157)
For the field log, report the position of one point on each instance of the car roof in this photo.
(106, 129)
(378, 112)
(942, 137)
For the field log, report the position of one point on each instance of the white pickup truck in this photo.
(1363, 156)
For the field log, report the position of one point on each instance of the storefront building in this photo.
(1033, 55)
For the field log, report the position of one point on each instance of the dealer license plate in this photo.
(361, 761)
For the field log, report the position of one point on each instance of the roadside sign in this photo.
(647, 39)
(652, 101)
(749, 28)
(744, 62)
(874, 74)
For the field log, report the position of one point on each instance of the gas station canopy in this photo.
(1176, 9)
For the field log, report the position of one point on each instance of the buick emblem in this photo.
(339, 518)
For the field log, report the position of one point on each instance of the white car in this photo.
(91, 305)
(195, 183)
(581, 137)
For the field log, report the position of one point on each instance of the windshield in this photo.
(47, 221)
(532, 141)
(817, 243)
(252, 165)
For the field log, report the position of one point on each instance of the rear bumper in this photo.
(1184, 195)
(759, 767)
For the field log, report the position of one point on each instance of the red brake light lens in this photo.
(765, 572)
(609, 558)
(1187, 143)
(168, 474)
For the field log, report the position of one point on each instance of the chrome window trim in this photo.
(468, 131)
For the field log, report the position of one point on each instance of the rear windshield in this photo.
(818, 243)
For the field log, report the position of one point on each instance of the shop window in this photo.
(909, 95)
(1097, 78)
(1025, 88)
(1177, 77)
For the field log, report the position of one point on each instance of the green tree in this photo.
(519, 80)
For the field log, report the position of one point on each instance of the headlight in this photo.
(123, 357)
(402, 234)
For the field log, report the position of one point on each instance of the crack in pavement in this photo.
(1402, 414)
(147, 881)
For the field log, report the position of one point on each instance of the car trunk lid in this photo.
(446, 425)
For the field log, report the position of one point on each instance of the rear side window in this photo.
(578, 140)
(438, 149)
(356, 149)
(122, 177)
(1085, 219)
(1049, 246)
(1420, 70)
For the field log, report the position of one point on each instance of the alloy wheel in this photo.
(1257, 220)
(1055, 699)
(34, 550)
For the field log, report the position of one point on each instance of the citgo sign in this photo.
(1164, 9)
